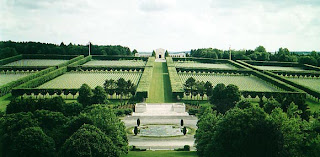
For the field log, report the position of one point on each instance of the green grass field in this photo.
(313, 105)
(161, 154)
(160, 89)
(4, 101)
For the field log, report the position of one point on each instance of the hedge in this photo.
(145, 80)
(48, 56)
(105, 57)
(175, 81)
(22, 68)
(71, 61)
(104, 68)
(150, 62)
(10, 59)
(7, 87)
(21, 91)
(44, 78)
(81, 61)
(170, 62)
(285, 82)
(273, 63)
(311, 67)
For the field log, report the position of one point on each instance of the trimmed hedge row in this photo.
(311, 67)
(8, 87)
(273, 63)
(260, 74)
(21, 91)
(105, 57)
(81, 61)
(175, 81)
(254, 94)
(206, 70)
(297, 73)
(103, 68)
(145, 80)
(44, 78)
(10, 59)
(150, 62)
(71, 61)
(21, 68)
(304, 88)
(170, 62)
(286, 81)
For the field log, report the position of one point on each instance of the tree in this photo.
(153, 54)
(225, 98)
(135, 130)
(166, 54)
(89, 141)
(110, 86)
(85, 95)
(138, 122)
(33, 141)
(271, 105)
(200, 86)
(99, 96)
(104, 118)
(244, 132)
(134, 52)
(208, 88)
(260, 49)
(184, 130)
(72, 109)
(190, 83)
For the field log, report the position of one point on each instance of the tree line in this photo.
(10, 48)
(259, 54)
(280, 126)
(52, 127)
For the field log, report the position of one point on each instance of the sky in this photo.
(175, 25)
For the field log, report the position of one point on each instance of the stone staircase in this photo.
(162, 109)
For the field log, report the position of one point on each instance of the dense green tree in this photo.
(7, 52)
(11, 126)
(99, 96)
(89, 141)
(166, 54)
(85, 95)
(206, 127)
(104, 118)
(153, 54)
(270, 105)
(72, 109)
(134, 52)
(190, 85)
(225, 98)
(33, 142)
(260, 49)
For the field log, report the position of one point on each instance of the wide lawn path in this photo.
(160, 89)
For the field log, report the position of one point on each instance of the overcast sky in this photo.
(175, 25)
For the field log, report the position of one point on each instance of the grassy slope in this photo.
(313, 105)
(160, 89)
(161, 154)
(4, 101)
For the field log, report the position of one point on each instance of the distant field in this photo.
(125, 63)
(248, 83)
(272, 68)
(76, 79)
(203, 65)
(6, 78)
(37, 62)
(313, 83)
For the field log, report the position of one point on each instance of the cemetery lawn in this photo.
(4, 101)
(161, 154)
(160, 88)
